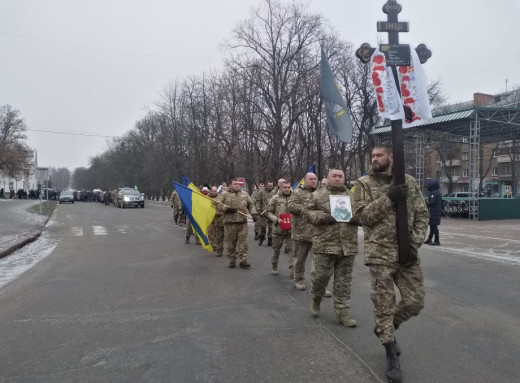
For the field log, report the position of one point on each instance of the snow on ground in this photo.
(25, 258)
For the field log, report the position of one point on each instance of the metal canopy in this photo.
(496, 124)
(479, 125)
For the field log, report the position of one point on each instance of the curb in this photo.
(22, 241)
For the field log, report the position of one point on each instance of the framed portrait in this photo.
(341, 208)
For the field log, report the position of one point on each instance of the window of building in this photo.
(453, 172)
(465, 173)
(438, 174)
(465, 189)
(494, 171)
(465, 156)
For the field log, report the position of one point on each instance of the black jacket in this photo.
(434, 202)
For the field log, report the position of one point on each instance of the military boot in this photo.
(397, 348)
(176, 222)
(261, 239)
(187, 240)
(299, 285)
(269, 241)
(342, 317)
(274, 269)
(244, 265)
(393, 369)
(315, 307)
(256, 235)
(219, 253)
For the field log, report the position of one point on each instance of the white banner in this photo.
(414, 93)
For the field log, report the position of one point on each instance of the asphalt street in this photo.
(120, 298)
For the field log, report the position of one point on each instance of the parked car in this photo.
(66, 196)
(129, 197)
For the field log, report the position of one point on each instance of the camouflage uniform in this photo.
(261, 203)
(216, 231)
(278, 205)
(376, 212)
(235, 224)
(190, 232)
(334, 247)
(301, 232)
(254, 197)
(175, 201)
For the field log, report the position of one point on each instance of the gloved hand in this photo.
(326, 219)
(354, 221)
(397, 192)
(412, 256)
(255, 217)
(231, 210)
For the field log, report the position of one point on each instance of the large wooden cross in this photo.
(396, 55)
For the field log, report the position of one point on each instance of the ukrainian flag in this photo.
(199, 209)
(312, 169)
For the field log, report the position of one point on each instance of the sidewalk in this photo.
(17, 225)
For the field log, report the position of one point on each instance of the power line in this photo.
(104, 49)
(71, 133)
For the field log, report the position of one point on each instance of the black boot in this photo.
(393, 369)
(261, 239)
(256, 235)
(269, 241)
(187, 241)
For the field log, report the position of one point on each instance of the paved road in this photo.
(121, 298)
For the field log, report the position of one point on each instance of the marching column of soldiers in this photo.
(329, 234)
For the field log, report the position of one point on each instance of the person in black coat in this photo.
(435, 207)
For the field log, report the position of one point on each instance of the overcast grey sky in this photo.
(95, 66)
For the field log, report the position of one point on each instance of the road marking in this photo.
(77, 231)
(99, 230)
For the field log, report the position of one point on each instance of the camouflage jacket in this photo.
(218, 219)
(239, 200)
(277, 205)
(175, 200)
(376, 212)
(337, 238)
(302, 229)
(262, 200)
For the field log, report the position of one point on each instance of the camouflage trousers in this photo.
(278, 241)
(216, 237)
(176, 214)
(388, 315)
(327, 265)
(190, 231)
(300, 250)
(261, 225)
(235, 236)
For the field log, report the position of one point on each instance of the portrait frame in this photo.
(341, 208)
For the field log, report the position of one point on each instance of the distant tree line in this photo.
(260, 117)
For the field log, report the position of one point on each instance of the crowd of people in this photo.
(305, 221)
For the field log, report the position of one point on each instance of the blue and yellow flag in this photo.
(312, 169)
(199, 209)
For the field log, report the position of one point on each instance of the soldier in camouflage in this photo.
(234, 205)
(265, 226)
(334, 245)
(175, 203)
(254, 197)
(279, 205)
(216, 229)
(301, 232)
(375, 196)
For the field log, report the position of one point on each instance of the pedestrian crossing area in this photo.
(98, 230)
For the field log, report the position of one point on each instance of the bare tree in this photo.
(14, 152)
